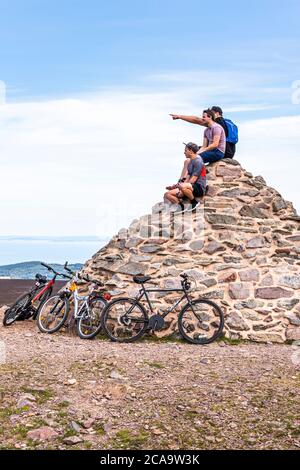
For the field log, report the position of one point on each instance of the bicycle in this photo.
(125, 319)
(28, 305)
(87, 308)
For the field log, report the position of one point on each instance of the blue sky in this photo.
(89, 85)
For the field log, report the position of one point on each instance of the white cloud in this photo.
(88, 165)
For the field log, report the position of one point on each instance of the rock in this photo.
(294, 238)
(246, 304)
(236, 192)
(116, 375)
(272, 293)
(215, 294)
(290, 280)
(252, 211)
(140, 258)
(133, 242)
(213, 247)
(88, 423)
(71, 382)
(195, 273)
(287, 304)
(230, 276)
(223, 170)
(267, 281)
(204, 361)
(293, 333)
(133, 269)
(26, 400)
(236, 322)
(293, 319)
(151, 248)
(196, 245)
(256, 242)
(208, 282)
(266, 337)
(3, 310)
(249, 275)
(72, 440)
(221, 219)
(45, 433)
(239, 290)
(279, 204)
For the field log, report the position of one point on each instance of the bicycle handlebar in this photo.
(55, 272)
(80, 276)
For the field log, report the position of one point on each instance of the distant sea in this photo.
(49, 249)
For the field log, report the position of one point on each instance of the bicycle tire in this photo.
(15, 311)
(62, 302)
(105, 319)
(218, 312)
(80, 323)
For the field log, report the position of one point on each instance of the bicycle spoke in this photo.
(125, 320)
(202, 322)
(90, 321)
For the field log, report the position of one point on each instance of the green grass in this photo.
(42, 396)
(156, 365)
(126, 439)
(9, 411)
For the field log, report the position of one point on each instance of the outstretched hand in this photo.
(174, 116)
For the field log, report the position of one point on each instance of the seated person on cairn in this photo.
(194, 185)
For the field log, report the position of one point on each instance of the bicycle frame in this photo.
(43, 290)
(80, 301)
(144, 292)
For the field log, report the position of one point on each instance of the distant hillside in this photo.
(28, 270)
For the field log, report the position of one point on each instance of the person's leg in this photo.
(212, 156)
(187, 190)
(171, 196)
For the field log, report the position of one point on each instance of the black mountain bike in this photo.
(28, 304)
(125, 319)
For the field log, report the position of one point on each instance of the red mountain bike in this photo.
(29, 304)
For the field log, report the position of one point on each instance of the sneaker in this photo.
(181, 207)
(194, 205)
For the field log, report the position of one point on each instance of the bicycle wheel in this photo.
(124, 320)
(53, 314)
(89, 323)
(202, 323)
(17, 309)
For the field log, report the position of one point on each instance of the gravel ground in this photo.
(58, 392)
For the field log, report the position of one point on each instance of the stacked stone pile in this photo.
(242, 246)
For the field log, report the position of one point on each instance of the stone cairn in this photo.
(242, 246)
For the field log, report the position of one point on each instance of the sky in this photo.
(86, 88)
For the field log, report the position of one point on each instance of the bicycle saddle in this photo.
(141, 279)
(40, 278)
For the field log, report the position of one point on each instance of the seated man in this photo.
(230, 129)
(214, 142)
(195, 183)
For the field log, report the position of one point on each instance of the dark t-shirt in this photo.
(230, 147)
(194, 169)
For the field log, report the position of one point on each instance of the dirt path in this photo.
(101, 395)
